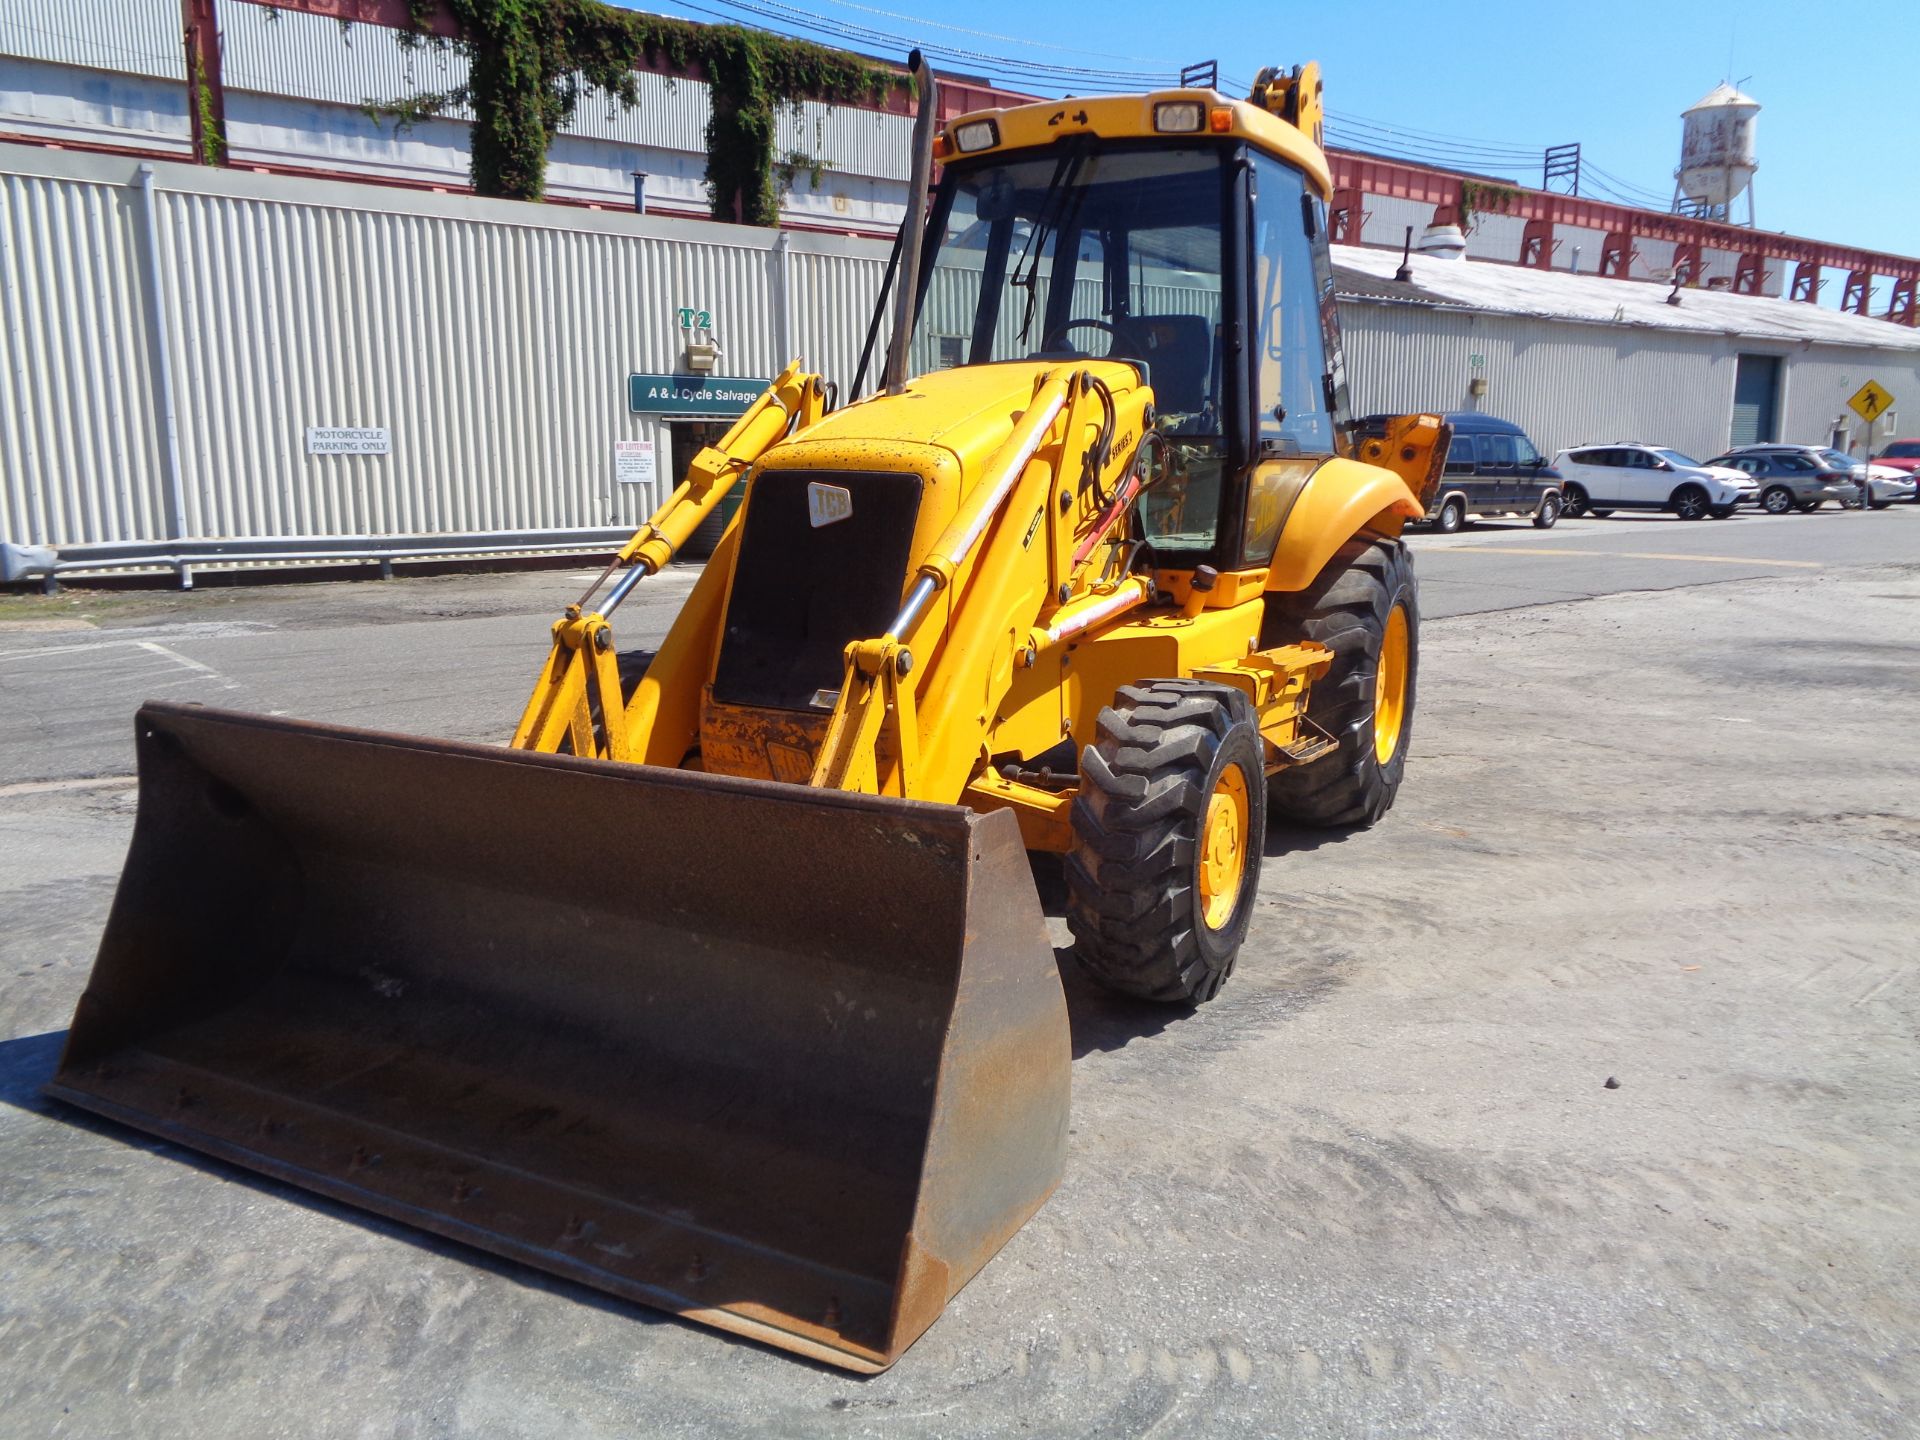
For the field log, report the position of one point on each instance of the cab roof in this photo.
(1131, 117)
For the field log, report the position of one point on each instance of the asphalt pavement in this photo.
(1574, 1099)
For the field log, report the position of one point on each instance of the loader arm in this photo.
(912, 721)
(577, 698)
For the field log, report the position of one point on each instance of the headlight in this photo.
(976, 135)
(1179, 117)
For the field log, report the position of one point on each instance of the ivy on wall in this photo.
(530, 62)
(1481, 197)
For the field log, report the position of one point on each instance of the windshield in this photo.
(1674, 457)
(1903, 450)
(1083, 252)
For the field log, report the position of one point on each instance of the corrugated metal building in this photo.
(298, 84)
(172, 333)
(1578, 359)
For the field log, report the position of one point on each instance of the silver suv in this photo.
(1791, 477)
(1600, 479)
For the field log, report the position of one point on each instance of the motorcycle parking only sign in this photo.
(349, 440)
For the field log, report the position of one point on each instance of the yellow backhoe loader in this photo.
(726, 987)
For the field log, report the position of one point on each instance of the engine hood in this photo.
(945, 425)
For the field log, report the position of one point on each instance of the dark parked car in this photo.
(1493, 469)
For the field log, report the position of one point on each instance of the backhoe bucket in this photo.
(789, 1062)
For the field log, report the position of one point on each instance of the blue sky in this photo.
(1838, 137)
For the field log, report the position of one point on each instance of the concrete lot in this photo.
(1667, 834)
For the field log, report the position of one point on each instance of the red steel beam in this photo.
(1376, 175)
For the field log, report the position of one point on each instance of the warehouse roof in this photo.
(1367, 275)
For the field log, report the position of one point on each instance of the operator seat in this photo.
(1178, 350)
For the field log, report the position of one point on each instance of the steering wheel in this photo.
(1059, 333)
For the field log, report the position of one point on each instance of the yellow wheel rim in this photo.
(1223, 848)
(1390, 687)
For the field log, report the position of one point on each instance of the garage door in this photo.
(1756, 383)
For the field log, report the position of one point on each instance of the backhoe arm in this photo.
(578, 697)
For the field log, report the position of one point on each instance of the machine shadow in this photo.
(1285, 839)
(1098, 1018)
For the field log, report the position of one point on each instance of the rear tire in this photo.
(1349, 608)
(1547, 514)
(1168, 830)
(1451, 517)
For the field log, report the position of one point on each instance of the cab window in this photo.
(1290, 387)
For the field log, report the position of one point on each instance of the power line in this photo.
(986, 34)
(791, 18)
(1348, 130)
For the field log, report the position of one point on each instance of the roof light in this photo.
(976, 135)
(942, 145)
(1220, 119)
(1178, 117)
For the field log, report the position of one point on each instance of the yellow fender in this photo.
(1343, 498)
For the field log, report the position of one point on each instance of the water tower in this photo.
(1716, 154)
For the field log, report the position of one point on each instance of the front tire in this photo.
(1573, 502)
(1168, 830)
(1690, 503)
(1365, 607)
(1777, 500)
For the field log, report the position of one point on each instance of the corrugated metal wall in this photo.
(493, 341)
(79, 445)
(140, 37)
(312, 57)
(1570, 384)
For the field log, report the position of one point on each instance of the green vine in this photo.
(531, 61)
(213, 144)
(1477, 197)
(795, 163)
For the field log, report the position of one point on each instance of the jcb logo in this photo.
(827, 504)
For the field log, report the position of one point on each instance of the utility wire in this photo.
(987, 34)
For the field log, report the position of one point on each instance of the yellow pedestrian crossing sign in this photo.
(1871, 401)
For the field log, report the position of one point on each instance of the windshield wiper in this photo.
(1043, 226)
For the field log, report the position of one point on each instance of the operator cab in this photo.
(1200, 258)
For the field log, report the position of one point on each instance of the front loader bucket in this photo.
(789, 1062)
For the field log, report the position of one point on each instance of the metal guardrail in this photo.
(20, 563)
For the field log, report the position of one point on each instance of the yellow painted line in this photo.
(1635, 555)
